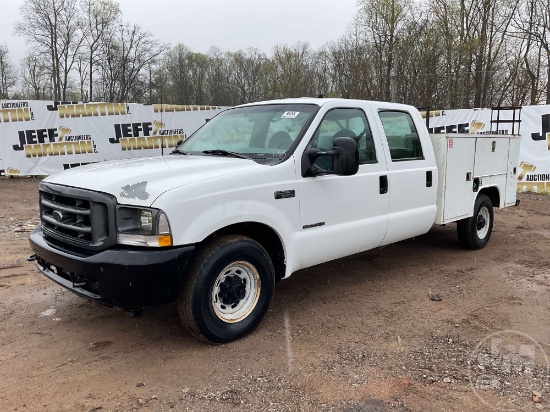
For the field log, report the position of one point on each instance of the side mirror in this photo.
(346, 163)
(345, 158)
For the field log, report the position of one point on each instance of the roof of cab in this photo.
(323, 101)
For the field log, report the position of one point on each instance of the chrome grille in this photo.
(77, 217)
(67, 216)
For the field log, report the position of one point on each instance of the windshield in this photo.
(265, 131)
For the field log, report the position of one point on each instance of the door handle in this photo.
(429, 181)
(383, 185)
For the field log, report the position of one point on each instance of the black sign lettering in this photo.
(147, 128)
(545, 128)
(27, 137)
(22, 141)
(451, 128)
(126, 130)
(464, 128)
(53, 107)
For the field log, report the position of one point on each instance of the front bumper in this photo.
(122, 278)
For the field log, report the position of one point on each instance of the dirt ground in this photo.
(356, 334)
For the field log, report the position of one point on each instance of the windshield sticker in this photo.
(290, 115)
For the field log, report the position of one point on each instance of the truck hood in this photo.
(140, 181)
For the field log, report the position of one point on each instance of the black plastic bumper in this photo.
(126, 279)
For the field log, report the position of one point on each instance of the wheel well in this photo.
(265, 236)
(493, 194)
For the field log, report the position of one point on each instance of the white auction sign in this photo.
(534, 166)
(41, 138)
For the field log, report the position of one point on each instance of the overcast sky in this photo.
(228, 24)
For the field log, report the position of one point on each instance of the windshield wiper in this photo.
(178, 151)
(221, 152)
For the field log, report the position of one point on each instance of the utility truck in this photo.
(259, 192)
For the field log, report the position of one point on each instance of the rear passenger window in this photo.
(403, 139)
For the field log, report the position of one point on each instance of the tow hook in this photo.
(31, 258)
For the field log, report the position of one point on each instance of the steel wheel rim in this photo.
(236, 291)
(483, 222)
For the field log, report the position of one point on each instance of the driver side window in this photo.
(343, 123)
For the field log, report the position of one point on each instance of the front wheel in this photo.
(474, 232)
(228, 289)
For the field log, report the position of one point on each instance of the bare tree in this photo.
(176, 66)
(8, 78)
(292, 73)
(186, 74)
(381, 24)
(54, 29)
(218, 78)
(490, 20)
(442, 53)
(533, 23)
(247, 68)
(125, 55)
(100, 18)
(35, 78)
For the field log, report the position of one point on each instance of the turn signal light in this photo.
(165, 240)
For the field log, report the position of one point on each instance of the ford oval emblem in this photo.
(57, 215)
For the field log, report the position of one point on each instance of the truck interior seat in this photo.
(280, 140)
(346, 133)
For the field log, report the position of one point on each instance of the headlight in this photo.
(143, 227)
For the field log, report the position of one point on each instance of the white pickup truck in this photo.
(257, 193)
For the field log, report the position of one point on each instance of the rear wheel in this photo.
(474, 232)
(228, 289)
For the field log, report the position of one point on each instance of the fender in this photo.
(197, 210)
(219, 216)
(490, 191)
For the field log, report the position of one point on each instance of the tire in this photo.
(474, 232)
(228, 290)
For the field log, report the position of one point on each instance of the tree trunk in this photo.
(90, 96)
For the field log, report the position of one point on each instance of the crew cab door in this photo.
(342, 215)
(412, 174)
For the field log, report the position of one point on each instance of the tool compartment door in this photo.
(512, 178)
(457, 193)
(491, 156)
